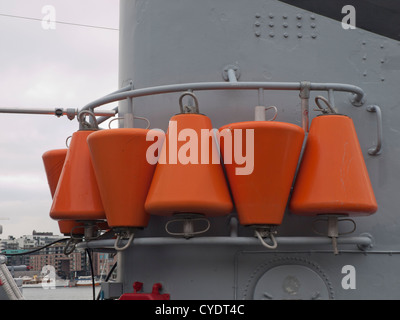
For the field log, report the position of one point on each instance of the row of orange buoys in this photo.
(106, 175)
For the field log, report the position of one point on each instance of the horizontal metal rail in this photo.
(70, 112)
(361, 241)
(201, 86)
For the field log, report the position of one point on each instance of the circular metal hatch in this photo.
(292, 278)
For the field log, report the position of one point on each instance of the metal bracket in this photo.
(231, 73)
(377, 149)
(355, 101)
(305, 87)
(333, 228)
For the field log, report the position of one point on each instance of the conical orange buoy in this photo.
(260, 185)
(189, 177)
(77, 196)
(332, 177)
(53, 161)
(123, 173)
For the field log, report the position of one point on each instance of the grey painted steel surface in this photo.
(171, 42)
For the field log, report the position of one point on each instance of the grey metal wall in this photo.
(176, 41)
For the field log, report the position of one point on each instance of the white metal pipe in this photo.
(232, 75)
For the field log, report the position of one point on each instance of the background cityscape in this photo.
(24, 260)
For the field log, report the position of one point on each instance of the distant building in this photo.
(67, 267)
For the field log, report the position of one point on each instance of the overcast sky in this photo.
(67, 67)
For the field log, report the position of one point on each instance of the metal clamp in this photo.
(304, 95)
(373, 151)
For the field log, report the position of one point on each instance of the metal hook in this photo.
(189, 109)
(83, 124)
(330, 109)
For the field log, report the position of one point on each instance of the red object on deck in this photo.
(155, 295)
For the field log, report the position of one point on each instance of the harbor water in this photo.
(60, 293)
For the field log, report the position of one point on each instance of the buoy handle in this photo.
(260, 113)
(187, 109)
(329, 110)
(83, 124)
(118, 242)
(271, 236)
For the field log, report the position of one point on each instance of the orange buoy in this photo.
(189, 177)
(53, 161)
(123, 173)
(71, 227)
(332, 177)
(77, 196)
(272, 150)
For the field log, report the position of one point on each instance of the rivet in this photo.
(271, 24)
(364, 42)
(382, 61)
(299, 16)
(313, 36)
(257, 33)
(364, 57)
(271, 34)
(365, 74)
(271, 15)
(299, 25)
(258, 15)
(382, 79)
(313, 25)
(285, 25)
(284, 16)
(257, 23)
(382, 46)
(286, 35)
(312, 17)
(299, 35)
